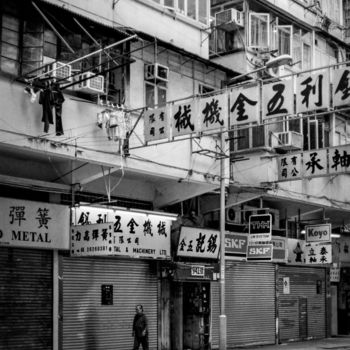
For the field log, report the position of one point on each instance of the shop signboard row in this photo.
(102, 232)
(306, 92)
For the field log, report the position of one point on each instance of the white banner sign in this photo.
(33, 224)
(318, 253)
(318, 233)
(99, 231)
(198, 243)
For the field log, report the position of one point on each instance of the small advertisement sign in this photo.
(260, 228)
(198, 270)
(236, 244)
(100, 231)
(30, 224)
(286, 285)
(318, 233)
(335, 274)
(318, 253)
(260, 252)
(198, 243)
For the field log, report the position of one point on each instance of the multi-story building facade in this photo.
(142, 92)
(276, 158)
(79, 82)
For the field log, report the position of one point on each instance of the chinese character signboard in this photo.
(260, 228)
(30, 224)
(318, 233)
(313, 92)
(339, 159)
(277, 99)
(244, 105)
(341, 87)
(318, 253)
(315, 163)
(156, 124)
(334, 274)
(198, 243)
(184, 118)
(213, 112)
(289, 166)
(99, 231)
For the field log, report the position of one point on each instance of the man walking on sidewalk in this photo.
(140, 329)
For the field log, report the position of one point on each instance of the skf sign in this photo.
(236, 244)
(318, 233)
(260, 252)
(260, 227)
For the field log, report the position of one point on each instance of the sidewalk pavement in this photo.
(333, 343)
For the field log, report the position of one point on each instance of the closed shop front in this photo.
(250, 304)
(30, 235)
(26, 289)
(301, 303)
(99, 296)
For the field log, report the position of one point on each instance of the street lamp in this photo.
(275, 62)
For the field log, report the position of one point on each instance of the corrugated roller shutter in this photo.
(250, 304)
(215, 312)
(25, 299)
(89, 325)
(302, 312)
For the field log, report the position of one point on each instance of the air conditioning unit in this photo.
(233, 215)
(287, 141)
(58, 70)
(156, 72)
(91, 83)
(229, 19)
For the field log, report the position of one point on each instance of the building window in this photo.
(316, 132)
(259, 30)
(195, 9)
(155, 94)
(301, 49)
(284, 40)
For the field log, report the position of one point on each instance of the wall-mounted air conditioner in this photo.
(233, 215)
(287, 141)
(229, 19)
(58, 71)
(156, 72)
(90, 83)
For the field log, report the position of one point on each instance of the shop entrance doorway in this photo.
(196, 315)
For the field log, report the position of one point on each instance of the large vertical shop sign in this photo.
(100, 231)
(198, 243)
(30, 224)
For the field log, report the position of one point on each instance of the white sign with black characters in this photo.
(30, 224)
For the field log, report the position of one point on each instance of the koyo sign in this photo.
(318, 233)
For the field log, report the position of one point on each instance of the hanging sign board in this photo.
(260, 228)
(318, 253)
(198, 243)
(318, 233)
(100, 231)
(260, 252)
(30, 224)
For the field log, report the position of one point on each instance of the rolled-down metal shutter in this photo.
(214, 313)
(302, 312)
(250, 304)
(25, 299)
(89, 325)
